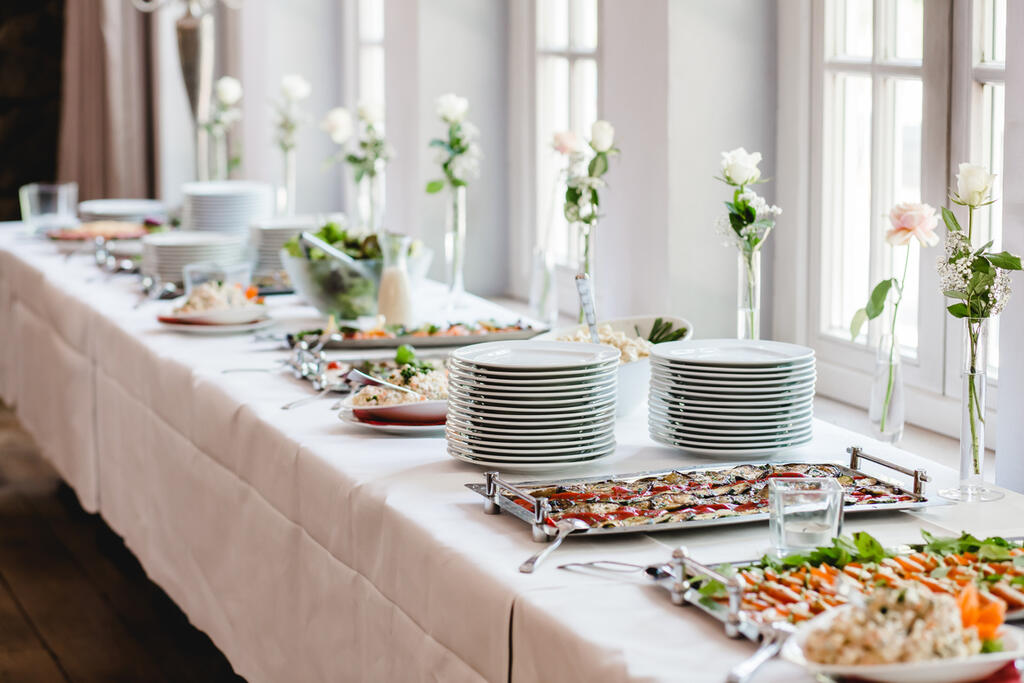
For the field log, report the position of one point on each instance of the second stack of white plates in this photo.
(226, 205)
(528, 405)
(165, 254)
(731, 396)
(268, 237)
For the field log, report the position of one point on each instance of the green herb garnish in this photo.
(662, 331)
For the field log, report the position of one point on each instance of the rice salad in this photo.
(632, 348)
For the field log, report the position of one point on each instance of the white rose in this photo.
(739, 167)
(294, 87)
(451, 107)
(371, 112)
(338, 124)
(566, 142)
(973, 184)
(229, 90)
(602, 136)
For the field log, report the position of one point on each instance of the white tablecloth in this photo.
(310, 551)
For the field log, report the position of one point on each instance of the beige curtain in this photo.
(106, 126)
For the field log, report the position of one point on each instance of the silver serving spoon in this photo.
(773, 641)
(307, 399)
(565, 527)
(584, 289)
(362, 378)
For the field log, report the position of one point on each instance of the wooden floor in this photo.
(75, 605)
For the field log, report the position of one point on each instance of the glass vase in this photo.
(455, 244)
(972, 487)
(370, 200)
(219, 157)
(543, 291)
(286, 193)
(748, 314)
(886, 410)
(585, 260)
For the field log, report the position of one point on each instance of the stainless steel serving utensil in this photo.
(586, 292)
(774, 639)
(308, 399)
(314, 241)
(362, 378)
(565, 527)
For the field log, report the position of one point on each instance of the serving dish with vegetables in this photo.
(423, 336)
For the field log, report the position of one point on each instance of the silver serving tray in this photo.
(496, 492)
(425, 342)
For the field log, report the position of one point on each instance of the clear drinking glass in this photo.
(198, 273)
(49, 206)
(805, 512)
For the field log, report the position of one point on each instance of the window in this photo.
(566, 67)
(370, 86)
(894, 111)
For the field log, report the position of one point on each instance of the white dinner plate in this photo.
(231, 316)
(419, 411)
(726, 452)
(521, 423)
(730, 412)
(731, 352)
(398, 429)
(542, 384)
(729, 402)
(532, 397)
(530, 442)
(524, 451)
(533, 375)
(730, 421)
(563, 408)
(696, 432)
(741, 393)
(958, 670)
(730, 441)
(593, 427)
(122, 208)
(199, 329)
(528, 465)
(686, 380)
(738, 374)
(526, 354)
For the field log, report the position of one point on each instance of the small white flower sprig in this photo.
(750, 218)
(581, 191)
(371, 146)
(979, 279)
(294, 89)
(459, 154)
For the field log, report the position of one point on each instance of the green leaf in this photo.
(868, 547)
(713, 589)
(1004, 260)
(598, 165)
(859, 318)
(953, 294)
(405, 354)
(435, 186)
(950, 220)
(876, 303)
(958, 310)
(990, 552)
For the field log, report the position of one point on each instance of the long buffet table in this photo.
(310, 551)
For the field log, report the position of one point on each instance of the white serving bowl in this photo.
(635, 376)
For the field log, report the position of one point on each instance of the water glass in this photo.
(805, 512)
(199, 273)
(49, 206)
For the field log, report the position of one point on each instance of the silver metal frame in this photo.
(495, 488)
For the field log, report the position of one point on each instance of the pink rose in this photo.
(911, 220)
(566, 142)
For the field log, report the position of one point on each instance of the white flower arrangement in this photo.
(750, 218)
(294, 89)
(582, 183)
(372, 150)
(459, 153)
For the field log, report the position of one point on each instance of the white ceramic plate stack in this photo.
(165, 254)
(532, 405)
(225, 206)
(127, 210)
(268, 237)
(731, 396)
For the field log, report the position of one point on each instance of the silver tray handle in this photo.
(920, 476)
(685, 568)
(494, 485)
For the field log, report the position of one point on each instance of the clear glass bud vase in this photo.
(585, 245)
(286, 193)
(455, 244)
(886, 410)
(972, 411)
(543, 292)
(748, 313)
(219, 157)
(370, 200)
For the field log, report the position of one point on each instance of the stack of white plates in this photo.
(731, 396)
(165, 254)
(225, 206)
(127, 210)
(267, 237)
(521, 405)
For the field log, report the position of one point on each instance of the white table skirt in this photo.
(310, 551)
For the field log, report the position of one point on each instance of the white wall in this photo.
(721, 96)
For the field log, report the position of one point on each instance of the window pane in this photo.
(847, 230)
(584, 96)
(584, 25)
(909, 29)
(552, 117)
(552, 24)
(371, 74)
(851, 24)
(990, 218)
(371, 21)
(991, 16)
(907, 107)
